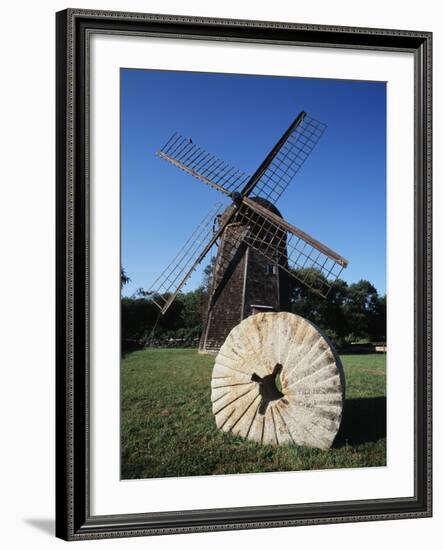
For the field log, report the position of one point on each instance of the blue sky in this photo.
(338, 196)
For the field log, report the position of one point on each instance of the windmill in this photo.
(258, 251)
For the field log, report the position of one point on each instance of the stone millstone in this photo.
(246, 399)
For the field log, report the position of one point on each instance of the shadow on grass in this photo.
(364, 420)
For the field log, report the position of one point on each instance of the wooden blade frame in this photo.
(186, 155)
(166, 287)
(300, 141)
(303, 257)
(267, 233)
(249, 187)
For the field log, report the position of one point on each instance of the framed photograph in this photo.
(243, 274)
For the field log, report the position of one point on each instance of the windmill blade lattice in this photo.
(306, 259)
(166, 287)
(290, 158)
(185, 154)
(302, 256)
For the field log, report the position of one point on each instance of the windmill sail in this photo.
(185, 154)
(292, 151)
(270, 179)
(303, 257)
(166, 287)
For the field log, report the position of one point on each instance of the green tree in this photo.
(377, 324)
(191, 312)
(124, 279)
(349, 313)
(327, 313)
(361, 309)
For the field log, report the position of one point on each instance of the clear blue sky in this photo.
(338, 196)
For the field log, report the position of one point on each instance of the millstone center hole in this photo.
(270, 387)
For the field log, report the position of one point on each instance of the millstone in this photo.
(246, 399)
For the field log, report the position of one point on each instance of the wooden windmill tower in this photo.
(257, 249)
(244, 281)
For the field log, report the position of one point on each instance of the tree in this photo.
(208, 274)
(349, 313)
(327, 313)
(191, 318)
(205, 289)
(334, 319)
(377, 325)
(362, 308)
(124, 279)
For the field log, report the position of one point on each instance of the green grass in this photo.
(168, 428)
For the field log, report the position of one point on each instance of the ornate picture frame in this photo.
(74, 519)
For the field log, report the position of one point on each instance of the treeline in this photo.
(350, 313)
(141, 322)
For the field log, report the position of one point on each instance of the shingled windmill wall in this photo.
(242, 278)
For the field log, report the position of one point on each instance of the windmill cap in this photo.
(236, 197)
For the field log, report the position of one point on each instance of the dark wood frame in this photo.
(73, 518)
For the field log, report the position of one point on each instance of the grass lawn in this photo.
(168, 428)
